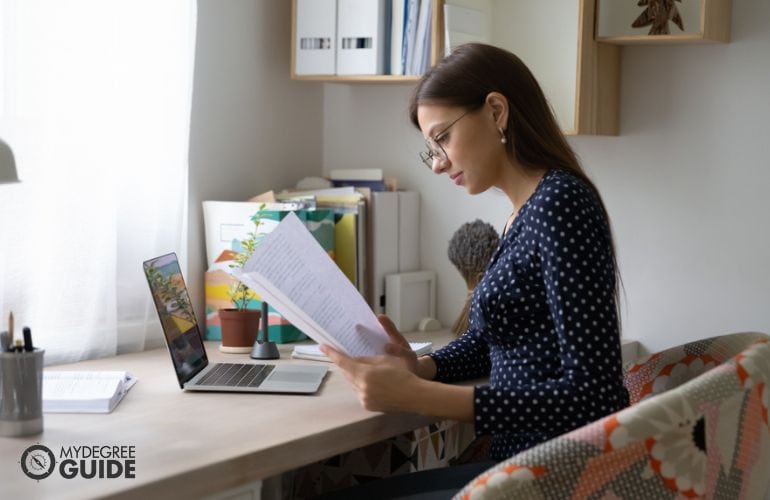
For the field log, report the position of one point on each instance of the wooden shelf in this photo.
(358, 78)
(713, 27)
(655, 39)
(437, 50)
(596, 71)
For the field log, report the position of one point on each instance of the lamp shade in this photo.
(7, 164)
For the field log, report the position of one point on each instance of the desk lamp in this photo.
(7, 164)
(264, 349)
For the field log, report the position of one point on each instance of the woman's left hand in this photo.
(382, 383)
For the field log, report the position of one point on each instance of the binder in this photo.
(316, 37)
(350, 242)
(421, 53)
(408, 231)
(410, 33)
(384, 244)
(395, 239)
(397, 25)
(362, 35)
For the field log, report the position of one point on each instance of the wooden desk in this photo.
(189, 445)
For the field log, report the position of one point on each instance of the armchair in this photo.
(697, 427)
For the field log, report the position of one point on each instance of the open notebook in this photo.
(313, 351)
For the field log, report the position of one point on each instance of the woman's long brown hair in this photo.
(465, 78)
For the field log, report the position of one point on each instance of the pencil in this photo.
(10, 328)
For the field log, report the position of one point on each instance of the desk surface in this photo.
(192, 444)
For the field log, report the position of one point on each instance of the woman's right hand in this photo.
(398, 346)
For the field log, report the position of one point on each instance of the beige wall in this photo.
(252, 128)
(686, 182)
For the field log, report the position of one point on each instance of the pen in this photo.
(4, 344)
(18, 347)
(27, 339)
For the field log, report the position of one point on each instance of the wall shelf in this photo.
(437, 49)
(705, 21)
(395, 79)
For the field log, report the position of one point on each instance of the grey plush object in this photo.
(470, 250)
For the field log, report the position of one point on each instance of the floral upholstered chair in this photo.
(697, 428)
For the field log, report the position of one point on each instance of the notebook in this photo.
(188, 354)
(84, 391)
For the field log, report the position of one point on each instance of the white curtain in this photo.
(95, 101)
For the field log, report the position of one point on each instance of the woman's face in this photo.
(475, 156)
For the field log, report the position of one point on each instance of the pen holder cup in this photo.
(21, 393)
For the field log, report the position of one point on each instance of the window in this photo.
(95, 100)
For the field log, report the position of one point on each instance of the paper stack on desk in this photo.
(84, 391)
(313, 351)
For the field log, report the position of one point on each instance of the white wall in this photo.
(686, 182)
(253, 129)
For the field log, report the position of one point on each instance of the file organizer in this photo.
(395, 239)
(316, 37)
(362, 35)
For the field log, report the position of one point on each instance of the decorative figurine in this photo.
(657, 15)
(470, 250)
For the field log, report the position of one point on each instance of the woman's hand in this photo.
(423, 367)
(382, 383)
(398, 346)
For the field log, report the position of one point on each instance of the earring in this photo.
(503, 139)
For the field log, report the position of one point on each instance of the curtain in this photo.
(95, 101)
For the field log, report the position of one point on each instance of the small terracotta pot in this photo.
(239, 328)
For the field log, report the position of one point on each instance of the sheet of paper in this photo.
(297, 278)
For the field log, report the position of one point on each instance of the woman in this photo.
(544, 324)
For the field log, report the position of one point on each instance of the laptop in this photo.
(188, 354)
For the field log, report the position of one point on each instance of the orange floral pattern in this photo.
(698, 425)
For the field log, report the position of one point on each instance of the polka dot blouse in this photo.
(543, 324)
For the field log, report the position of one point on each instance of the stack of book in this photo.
(371, 178)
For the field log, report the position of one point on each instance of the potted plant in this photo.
(239, 324)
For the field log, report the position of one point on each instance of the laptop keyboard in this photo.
(236, 375)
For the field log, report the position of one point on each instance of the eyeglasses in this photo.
(435, 150)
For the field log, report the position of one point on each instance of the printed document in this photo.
(84, 391)
(294, 274)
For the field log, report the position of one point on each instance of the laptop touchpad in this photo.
(293, 377)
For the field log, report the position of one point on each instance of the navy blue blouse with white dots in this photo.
(543, 324)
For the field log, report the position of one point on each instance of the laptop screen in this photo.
(176, 315)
